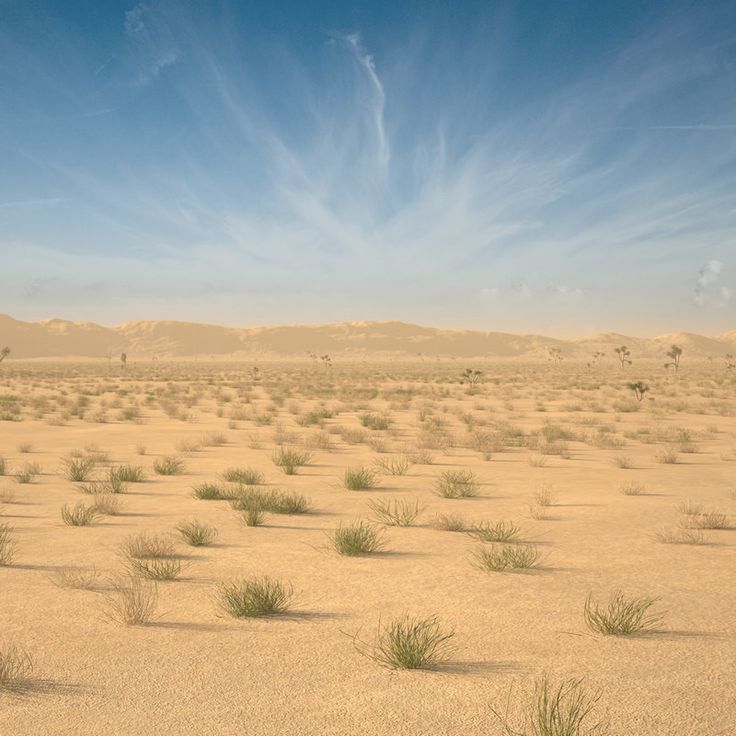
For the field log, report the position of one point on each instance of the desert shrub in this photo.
(420, 457)
(79, 515)
(157, 568)
(374, 421)
(27, 473)
(7, 545)
(252, 597)
(667, 456)
(107, 504)
(131, 600)
(507, 557)
(289, 459)
(501, 531)
(544, 496)
(623, 462)
(3, 466)
(169, 465)
(395, 511)
(690, 508)
(197, 533)
(360, 479)
(393, 465)
(16, 667)
(214, 439)
(564, 710)
(449, 523)
(145, 546)
(621, 616)
(243, 476)
(80, 578)
(128, 473)
(707, 520)
(457, 484)
(632, 488)
(358, 538)
(78, 469)
(669, 535)
(409, 643)
(212, 492)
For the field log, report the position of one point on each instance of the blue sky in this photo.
(554, 167)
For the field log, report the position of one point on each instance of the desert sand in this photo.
(552, 448)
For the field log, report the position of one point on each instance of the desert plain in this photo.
(600, 492)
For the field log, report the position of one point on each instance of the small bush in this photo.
(129, 473)
(457, 484)
(212, 492)
(622, 616)
(243, 476)
(7, 545)
(393, 465)
(564, 710)
(16, 667)
(197, 533)
(669, 535)
(632, 488)
(27, 473)
(396, 512)
(169, 465)
(146, 546)
(252, 597)
(360, 479)
(375, 421)
(501, 531)
(80, 578)
(107, 504)
(358, 538)
(3, 466)
(623, 461)
(507, 557)
(78, 469)
(668, 456)
(132, 600)
(544, 496)
(409, 643)
(79, 515)
(707, 520)
(156, 568)
(289, 459)
(449, 523)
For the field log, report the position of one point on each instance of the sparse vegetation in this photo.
(621, 616)
(358, 538)
(457, 484)
(253, 597)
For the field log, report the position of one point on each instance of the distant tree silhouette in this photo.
(472, 378)
(623, 355)
(674, 353)
(555, 355)
(123, 360)
(4, 353)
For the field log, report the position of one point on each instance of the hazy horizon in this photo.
(548, 169)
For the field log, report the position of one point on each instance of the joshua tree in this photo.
(471, 377)
(4, 353)
(730, 362)
(555, 355)
(623, 355)
(255, 373)
(675, 352)
(639, 389)
(123, 360)
(326, 360)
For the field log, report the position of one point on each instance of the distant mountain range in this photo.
(56, 338)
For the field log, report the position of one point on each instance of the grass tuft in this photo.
(395, 511)
(358, 538)
(360, 479)
(621, 616)
(457, 484)
(251, 597)
(197, 533)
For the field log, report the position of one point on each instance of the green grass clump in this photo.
(457, 484)
(501, 531)
(289, 459)
(155, 569)
(197, 533)
(621, 616)
(128, 473)
(252, 597)
(375, 421)
(360, 479)
(243, 476)
(395, 511)
(212, 492)
(7, 545)
(409, 643)
(79, 515)
(507, 557)
(564, 710)
(78, 469)
(358, 538)
(169, 465)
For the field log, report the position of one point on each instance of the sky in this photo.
(560, 168)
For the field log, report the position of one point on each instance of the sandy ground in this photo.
(194, 672)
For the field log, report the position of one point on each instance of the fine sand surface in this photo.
(526, 429)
